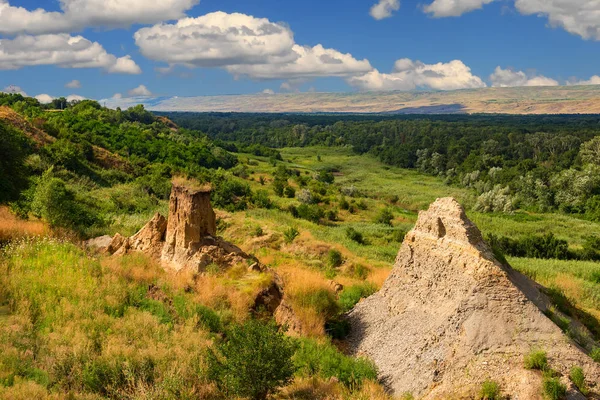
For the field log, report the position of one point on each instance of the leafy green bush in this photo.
(536, 359)
(334, 258)
(290, 234)
(58, 205)
(595, 354)
(289, 192)
(261, 199)
(385, 217)
(355, 235)
(553, 389)
(350, 296)
(326, 361)
(14, 148)
(490, 390)
(578, 378)
(309, 212)
(253, 361)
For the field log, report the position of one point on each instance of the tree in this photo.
(14, 148)
(253, 361)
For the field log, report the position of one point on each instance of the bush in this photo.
(289, 192)
(536, 359)
(290, 234)
(355, 235)
(595, 354)
(334, 258)
(254, 361)
(312, 213)
(553, 389)
(578, 378)
(261, 199)
(56, 204)
(326, 361)
(385, 217)
(490, 390)
(350, 296)
(14, 148)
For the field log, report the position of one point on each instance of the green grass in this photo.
(490, 390)
(536, 359)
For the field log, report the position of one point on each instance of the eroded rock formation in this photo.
(187, 239)
(451, 316)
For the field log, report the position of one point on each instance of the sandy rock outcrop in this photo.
(187, 239)
(451, 316)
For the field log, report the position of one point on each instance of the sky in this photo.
(103, 49)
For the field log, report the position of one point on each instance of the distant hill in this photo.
(522, 100)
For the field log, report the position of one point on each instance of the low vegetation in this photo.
(490, 390)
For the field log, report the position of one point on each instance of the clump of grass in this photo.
(290, 234)
(407, 396)
(350, 296)
(334, 258)
(326, 361)
(490, 390)
(536, 359)
(578, 378)
(595, 354)
(257, 231)
(553, 389)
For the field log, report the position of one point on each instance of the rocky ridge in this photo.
(451, 316)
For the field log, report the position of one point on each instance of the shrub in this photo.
(290, 234)
(355, 235)
(385, 217)
(326, 361)
(344, 205)
(553, 389)
(312, 213)
(56, 204)
(350, 296)
(334, 258)
(254, 361)
(305, 196)
(595, 354)
(578, 378)
(289, 192)
(258, 231)
(261, 199)
(490, 390)
(359, 271)
(536, 359)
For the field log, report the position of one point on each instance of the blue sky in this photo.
(441, 45)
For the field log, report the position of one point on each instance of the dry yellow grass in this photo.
(316, 388)
(11, 227)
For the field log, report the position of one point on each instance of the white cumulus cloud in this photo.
(453, 8)
(268, 91)
(410, 75)
(74, 84)
(76, 15)
(580, 17)
(140, 91)
(44, 98)
(14, 90)
(62, 50)
(75, 97)
(509, 77)
(311, 62)
(594, 80)
(244, 46)
(384, 9)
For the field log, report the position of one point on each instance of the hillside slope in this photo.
(521, 100)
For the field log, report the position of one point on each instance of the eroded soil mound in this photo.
(450, 316)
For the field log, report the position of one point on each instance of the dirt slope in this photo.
(451, 316)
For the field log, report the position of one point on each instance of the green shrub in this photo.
(355, 235)
(326, 361)
(261, 199)
(334, 258)
(254, 360)
(385, 217)
(290, 234)
(359, 271)
(258, 231)
(289, 192)
(490, 390)
(58, 205)
(578, 378)
(595, 354)
(350, 296)
(553, 389)
(536, 359)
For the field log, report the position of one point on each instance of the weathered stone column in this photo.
(191, 218)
